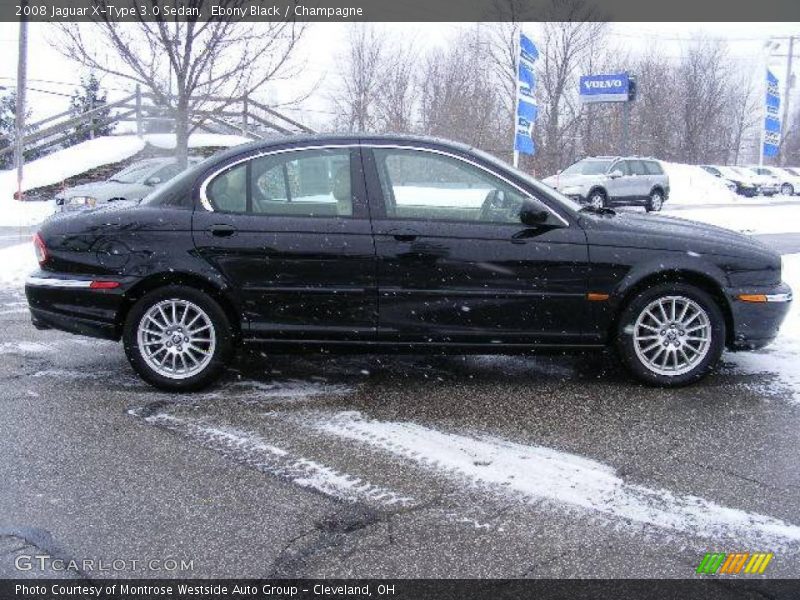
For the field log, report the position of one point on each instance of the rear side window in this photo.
(637, 167)
(305, 183)
(654, 168)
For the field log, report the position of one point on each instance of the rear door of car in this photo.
(456, 265)
(289, 231)
(641, 180)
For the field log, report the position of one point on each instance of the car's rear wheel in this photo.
(177, 338)
(597, 199)
(655, 201)
(787, 189)
(671, 334)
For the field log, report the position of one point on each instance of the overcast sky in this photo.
(49, 71)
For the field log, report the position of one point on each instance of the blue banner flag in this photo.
(527, 49)
(772, 121)
(527, 111)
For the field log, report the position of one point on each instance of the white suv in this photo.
(614, 180)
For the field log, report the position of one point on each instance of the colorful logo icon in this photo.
(721, 563)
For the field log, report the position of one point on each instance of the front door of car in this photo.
(620, 182)
(457, 265)
(290, 233)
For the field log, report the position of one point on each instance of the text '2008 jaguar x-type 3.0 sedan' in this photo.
(395, 243)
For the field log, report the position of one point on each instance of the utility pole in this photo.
(787, 89)
(22, 69)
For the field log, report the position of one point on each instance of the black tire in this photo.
(787, 189)
(597, 198)
(655, 201)
(219, 323)
(635, 307)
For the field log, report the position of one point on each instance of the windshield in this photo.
(133, 173)
(792, 171)
(545, 190)
(588, 167)
(729, 172)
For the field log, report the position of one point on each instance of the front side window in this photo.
(419, 185)
(303, 183)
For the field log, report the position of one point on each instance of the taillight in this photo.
(40, 248)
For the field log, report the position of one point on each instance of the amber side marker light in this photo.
(596, 297)
(752, 297)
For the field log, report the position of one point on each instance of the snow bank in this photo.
(166, 141)
(540, 473)
(16, 263)
(691, 185)
(746, 218)
(77, 159)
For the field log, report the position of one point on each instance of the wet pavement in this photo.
(391, 466)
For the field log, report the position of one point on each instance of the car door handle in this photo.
(222, 230)
(404, 235)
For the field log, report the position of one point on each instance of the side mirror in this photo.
(153, 181)
(532, 215)
(615, 174)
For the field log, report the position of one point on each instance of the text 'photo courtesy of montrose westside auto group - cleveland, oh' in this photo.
(408, 300)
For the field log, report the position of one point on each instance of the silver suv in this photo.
(614, 180)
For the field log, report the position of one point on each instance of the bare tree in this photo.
(360, 74)
(214, 63)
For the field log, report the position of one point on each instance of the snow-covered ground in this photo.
(60, 165)
(690, 185)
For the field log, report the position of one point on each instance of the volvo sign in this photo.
(605, 88)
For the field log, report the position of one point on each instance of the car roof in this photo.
(305, 139)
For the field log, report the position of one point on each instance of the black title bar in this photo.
(400, 10)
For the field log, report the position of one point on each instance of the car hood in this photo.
(660, 232)
(560, 182)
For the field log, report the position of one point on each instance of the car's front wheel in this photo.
(655, 201)
(597, 199)
(671, 334)
(177, 338)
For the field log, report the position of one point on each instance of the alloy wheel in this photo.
(176, 338)
(672, 335)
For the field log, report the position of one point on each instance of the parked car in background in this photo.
(788, 183)
(614, 180)
(768, 185)
(375, 243)
(792, 170)
(130, 184)
(743, 186)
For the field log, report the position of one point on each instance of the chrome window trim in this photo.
(55, 282)
(389, 145)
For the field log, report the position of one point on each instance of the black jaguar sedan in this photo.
(371, 244)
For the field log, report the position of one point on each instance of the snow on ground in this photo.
(763, 218)
(540, 473)
(77, 159)
(689, 185)
(781, 359)
(268, 458)
(16, 263)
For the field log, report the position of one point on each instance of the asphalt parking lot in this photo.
(393, 466)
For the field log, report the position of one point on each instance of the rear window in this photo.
(653, 168)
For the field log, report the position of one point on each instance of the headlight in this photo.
(571, 190)
(82, 201)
